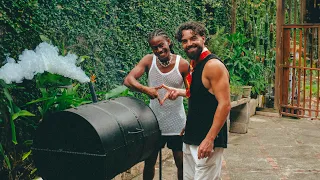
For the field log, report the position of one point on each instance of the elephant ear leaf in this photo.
(116, 92)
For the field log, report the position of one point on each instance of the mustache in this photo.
(192, 46)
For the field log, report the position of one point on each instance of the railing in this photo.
(300, 69)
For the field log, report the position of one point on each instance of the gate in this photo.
(299, 71)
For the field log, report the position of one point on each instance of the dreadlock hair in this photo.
(196, 27)
(160, 32)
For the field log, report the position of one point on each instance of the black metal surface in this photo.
(95, 141)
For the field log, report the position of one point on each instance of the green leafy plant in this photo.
(242, 65)
(118, 91)
(257, 78)
(13, 153)
(217, 42)
(236, 90)
(49, 80)
(237, 57)
(57, 95)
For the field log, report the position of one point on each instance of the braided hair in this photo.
(160, 32)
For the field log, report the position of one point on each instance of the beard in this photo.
(194, 54)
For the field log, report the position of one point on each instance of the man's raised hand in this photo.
(152, 92)
(172, 93)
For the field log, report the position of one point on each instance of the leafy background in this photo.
(112, 34)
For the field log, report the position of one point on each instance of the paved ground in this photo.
(273, 149)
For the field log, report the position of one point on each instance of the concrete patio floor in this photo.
(273, 149)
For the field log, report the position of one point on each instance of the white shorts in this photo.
(201, 169)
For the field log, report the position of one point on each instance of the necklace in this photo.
(165, 63)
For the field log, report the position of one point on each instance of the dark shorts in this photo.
(173, 142)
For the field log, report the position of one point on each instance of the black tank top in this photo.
(202, 107)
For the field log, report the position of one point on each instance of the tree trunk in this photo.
(233, 16)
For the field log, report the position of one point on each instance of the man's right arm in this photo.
(131, 80)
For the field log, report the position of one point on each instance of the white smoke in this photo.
(44, 58)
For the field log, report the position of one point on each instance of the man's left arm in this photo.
(216, 79)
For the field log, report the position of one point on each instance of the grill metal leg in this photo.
(160, 164)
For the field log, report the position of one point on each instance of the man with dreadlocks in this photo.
(162, 67)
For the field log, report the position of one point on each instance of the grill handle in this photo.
(136, 132)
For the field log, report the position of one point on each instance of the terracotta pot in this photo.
(246, 91)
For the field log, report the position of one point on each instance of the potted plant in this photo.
(243, 68)
(236, 90)
(242, 64)
(246, 91)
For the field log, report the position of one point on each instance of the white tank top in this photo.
(171, 115)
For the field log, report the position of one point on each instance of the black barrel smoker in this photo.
(95, 141)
